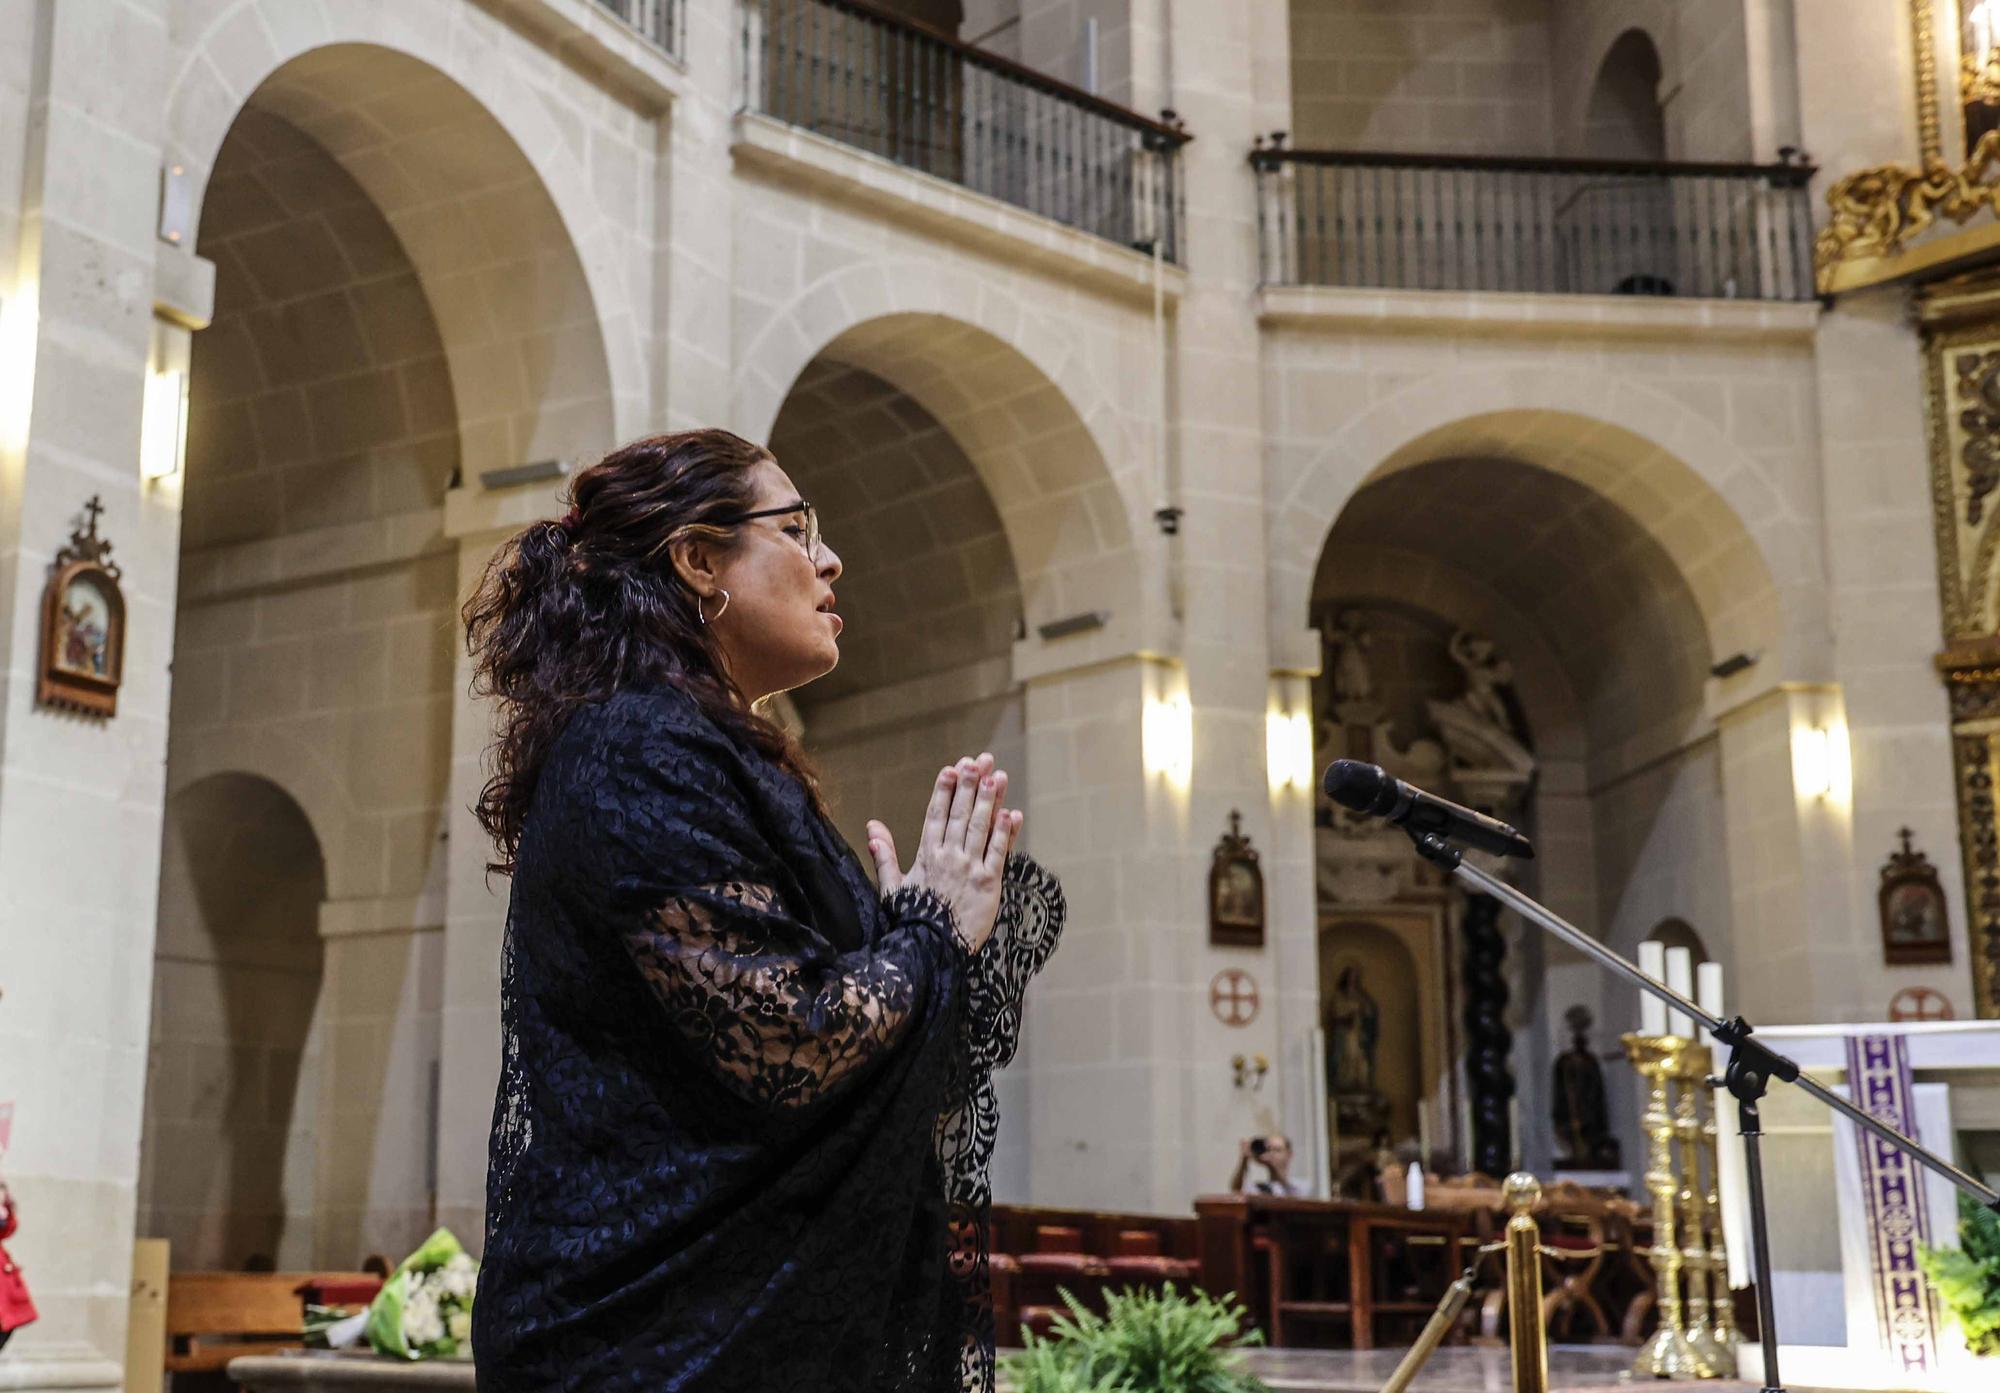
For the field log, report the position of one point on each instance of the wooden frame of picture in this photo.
(1915, 925)
(1235, 891)
(82, 655)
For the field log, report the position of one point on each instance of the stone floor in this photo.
(1466, 1369)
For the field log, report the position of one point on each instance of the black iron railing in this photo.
(1566, 227)
(663, 23)
(873, 80)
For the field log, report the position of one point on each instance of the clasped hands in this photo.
(962, 851)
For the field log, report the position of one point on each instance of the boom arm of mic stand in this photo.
(1752, 1063)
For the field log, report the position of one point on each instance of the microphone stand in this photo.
(1752, 1066)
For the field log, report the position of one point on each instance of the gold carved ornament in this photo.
(1962, 391)
(1877, 212)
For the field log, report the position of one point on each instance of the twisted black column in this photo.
(1488, 1042)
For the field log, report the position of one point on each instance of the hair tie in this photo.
(569, 521)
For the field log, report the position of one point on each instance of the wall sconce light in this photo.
(1288, 750)
(17, 366)
(163, 421)
(1250, 1071)
(1166, 738)
(1821, 767)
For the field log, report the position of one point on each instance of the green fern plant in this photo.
(1143, 1342)
(1968, 1277)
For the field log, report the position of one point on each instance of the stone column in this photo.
(1793, 952)
(377, 1078)
(1882, 575)
(475, 915)
(1133, 1100)
(80, 798)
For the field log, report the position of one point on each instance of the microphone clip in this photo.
(1435, 849)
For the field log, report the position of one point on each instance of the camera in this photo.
(1258, 1145)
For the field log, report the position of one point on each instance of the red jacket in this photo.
(16, 1309)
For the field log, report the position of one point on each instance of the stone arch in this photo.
(298, 773)
(424, 113)
(1622, 116)
(1752, 566)
(229, 1168)
(988, 371)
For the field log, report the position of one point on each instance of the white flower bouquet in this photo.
(424, 1310)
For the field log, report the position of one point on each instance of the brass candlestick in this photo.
(1691, 1075)
(1721, 1296)
(1668, 1354)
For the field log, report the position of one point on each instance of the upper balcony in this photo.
(875, 80)
(1544, 226)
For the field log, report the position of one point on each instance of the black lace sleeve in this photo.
(778, 1025)
(1032, 912)
(753, 992)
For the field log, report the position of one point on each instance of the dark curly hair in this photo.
(573, 611)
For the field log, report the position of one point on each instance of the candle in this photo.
(1708, 994)
(1680, 976)
(1652, 1011)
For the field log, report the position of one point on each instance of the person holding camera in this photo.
(1274, 1154)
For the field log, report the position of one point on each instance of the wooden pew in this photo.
(214, 1317)
(1038, 1252)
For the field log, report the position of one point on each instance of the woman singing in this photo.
(745, 1106)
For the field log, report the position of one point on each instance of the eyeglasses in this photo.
(807, 538)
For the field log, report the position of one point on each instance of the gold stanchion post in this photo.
(1668, 1354)
(1525, 1337)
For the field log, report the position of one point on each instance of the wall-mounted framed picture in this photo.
(1235, 891)
(83, 625)
(1914, 926)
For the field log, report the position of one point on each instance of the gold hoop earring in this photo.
(718, 614)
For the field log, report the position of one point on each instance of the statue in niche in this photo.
(1486, 672)
(1353, 1025)
(1347, 641)
(1583, 1121)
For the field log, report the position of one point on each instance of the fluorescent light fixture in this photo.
(1167, 739)
(17, 365)
(1073, 624)
(163, 419)
(1822, 767)
(1288, 749)
(524, 473)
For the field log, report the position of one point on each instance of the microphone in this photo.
(1368, 789)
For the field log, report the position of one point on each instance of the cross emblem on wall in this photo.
(1233, 997)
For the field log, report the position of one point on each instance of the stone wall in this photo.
(1469, 77)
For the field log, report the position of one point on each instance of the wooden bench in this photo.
(214, 1317)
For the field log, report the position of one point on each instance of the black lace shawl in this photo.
(745, 1110)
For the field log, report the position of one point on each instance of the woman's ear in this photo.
(695, 559)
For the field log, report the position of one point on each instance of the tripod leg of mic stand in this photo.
(1752, 1126)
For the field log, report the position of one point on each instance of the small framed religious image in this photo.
(1914, 926)
(1235, 891)
(83, 625)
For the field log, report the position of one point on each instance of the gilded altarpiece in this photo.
(1961, 320)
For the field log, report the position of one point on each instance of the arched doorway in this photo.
(973, 504)
(399, 311)
(229, 1164)
(933, 606)
(1623, 119)
(1513, 638)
